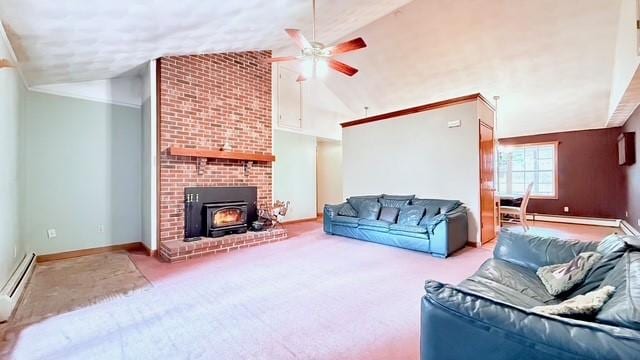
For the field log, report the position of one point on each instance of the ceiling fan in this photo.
(316, 56)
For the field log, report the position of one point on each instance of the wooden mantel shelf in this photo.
(219, 154)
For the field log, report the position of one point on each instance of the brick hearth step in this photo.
(179, 250)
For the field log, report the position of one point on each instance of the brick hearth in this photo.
(205, 100)
(178, 250)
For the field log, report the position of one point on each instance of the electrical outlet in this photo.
(51, 233)
(100, 228)
(626, 214)
(15, 251)
(566, 209)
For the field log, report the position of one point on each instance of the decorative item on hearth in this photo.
(270, 214)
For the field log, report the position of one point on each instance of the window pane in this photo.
(545, 177)
(530, 177)
(517, 177)
(545, 152)
(545, 164)
(545, 189)
(517, 188)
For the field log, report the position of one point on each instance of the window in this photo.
(520, 165)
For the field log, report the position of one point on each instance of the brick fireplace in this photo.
(205, 103)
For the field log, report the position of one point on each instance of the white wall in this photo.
(125, 91)
(83, 171)
(329, 173)
(294, 173)
(12, 247)
(417, 154)
(149, 145)
(626, 59)
(319, 109)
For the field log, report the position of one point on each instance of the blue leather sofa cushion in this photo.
(422, 236)
(389, 214)
(379, 225)
(345, 220)
(532, 251)
(398, 197)
(393, 203)
(429, 214)
(445, 206)
(348, 210)
(355, 201)
(410, 215)
(510, 283)
(408, 228)
(612, 248)
(623, 309)
(369, 209)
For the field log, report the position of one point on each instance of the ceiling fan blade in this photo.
(347, 46)
(298, 38)
(283, 58)
(342, 67)
(301, 78)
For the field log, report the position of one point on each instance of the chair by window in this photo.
(519, 212)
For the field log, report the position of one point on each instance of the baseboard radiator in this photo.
(11, 292)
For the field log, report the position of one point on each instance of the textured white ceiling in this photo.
(77, 40)
(550, 61)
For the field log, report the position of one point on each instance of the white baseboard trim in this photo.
(11, 292)
(628, 229)
(575, 220)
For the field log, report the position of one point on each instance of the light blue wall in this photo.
(12, 91)
(82, 172)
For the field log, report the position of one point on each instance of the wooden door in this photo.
(487, 189)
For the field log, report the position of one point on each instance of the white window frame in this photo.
(533, 192)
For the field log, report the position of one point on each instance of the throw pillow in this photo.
(582, 305)
(356, 200)
(389, 214)
(410, 215)
(348, 210)
(429, 214)
(393, 203)
(562, 277)
(612, 248)
(444, 205)
(369, 209)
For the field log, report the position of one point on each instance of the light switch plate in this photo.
(51, 233)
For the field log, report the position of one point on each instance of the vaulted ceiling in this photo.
(76, 40)
(550, 61)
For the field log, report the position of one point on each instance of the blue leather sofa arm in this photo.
(533, 251)
(448, 232)
(498, 331)
(329, 212)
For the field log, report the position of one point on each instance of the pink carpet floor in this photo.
(313, 296)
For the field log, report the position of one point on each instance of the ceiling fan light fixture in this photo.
(317, 58)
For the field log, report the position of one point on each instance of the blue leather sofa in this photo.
(441, 230)
(487, 316)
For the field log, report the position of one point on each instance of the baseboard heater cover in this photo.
(575, 220)
(11, 292)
